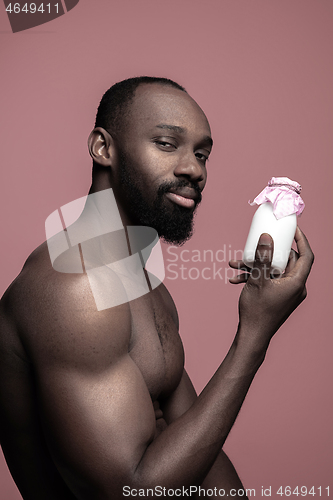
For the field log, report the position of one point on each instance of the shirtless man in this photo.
(96, 404)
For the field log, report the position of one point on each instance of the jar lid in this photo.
(285, 182)
(284, 194)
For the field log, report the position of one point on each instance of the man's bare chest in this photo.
(155, 345)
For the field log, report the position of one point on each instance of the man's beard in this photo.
(173, 223)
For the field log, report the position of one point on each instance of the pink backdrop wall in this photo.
(262, 72)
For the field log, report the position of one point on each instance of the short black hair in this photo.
(113, 107)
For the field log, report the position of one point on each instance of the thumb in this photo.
(263, 257)
(264, 251)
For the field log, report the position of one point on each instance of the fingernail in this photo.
(265, 240)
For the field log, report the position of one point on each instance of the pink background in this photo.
(262, 72)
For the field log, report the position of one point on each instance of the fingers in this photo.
(305, 260)
(238, 264)
(303, 247)
(293, 257)
(262, 263)
(241, 278)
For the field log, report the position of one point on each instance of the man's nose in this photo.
(190, 167)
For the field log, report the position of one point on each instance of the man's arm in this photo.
(195, 439)
(222, 475)
(97, 412)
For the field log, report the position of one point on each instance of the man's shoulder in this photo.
(37, 284)
(56, 311)
(22, 288)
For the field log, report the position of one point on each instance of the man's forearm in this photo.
(185, 452)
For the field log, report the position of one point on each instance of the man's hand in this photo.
(267, 301)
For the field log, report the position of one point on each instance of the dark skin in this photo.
(96, 400)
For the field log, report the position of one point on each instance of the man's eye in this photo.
(202, 157)
(165, 145)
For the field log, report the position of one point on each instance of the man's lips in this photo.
(185, 197)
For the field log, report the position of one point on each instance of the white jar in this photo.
(280, 204)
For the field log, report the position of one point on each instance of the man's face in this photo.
(162, 161)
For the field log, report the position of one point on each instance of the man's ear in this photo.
(101, 147)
